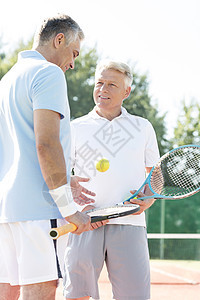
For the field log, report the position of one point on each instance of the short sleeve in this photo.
(49, 90)
(151, 148)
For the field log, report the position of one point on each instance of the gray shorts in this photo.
(124, 249)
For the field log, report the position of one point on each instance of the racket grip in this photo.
(56, 232)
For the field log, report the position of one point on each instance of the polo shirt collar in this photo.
(95, 115)
(30, 54)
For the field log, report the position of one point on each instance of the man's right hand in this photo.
(97, 224)
(81, 220)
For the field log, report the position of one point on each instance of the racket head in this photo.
(177, 174)
(111, 212)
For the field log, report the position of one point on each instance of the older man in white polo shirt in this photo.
(129, 143)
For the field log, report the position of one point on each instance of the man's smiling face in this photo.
(110, 90)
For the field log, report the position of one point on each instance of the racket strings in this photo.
(178, 173)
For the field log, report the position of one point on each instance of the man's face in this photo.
(66, 55)
(110, 90)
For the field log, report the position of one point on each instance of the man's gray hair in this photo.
(60, 23)
(117, 66)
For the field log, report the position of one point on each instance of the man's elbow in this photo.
(43, 149)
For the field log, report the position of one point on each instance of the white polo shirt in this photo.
(33, 83)
(128, 142)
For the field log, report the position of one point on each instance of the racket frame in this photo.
(97, 218)
(148, 181)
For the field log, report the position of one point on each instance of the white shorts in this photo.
(123, 248)
(28, 255)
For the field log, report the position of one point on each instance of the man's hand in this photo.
(144, 204)
(78, 191)
(81, 220)
(97, 224)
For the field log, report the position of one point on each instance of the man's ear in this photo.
(58, 40)
(128, 91)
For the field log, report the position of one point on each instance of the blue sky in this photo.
(159, 37)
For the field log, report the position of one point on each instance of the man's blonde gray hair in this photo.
(117, 66)
(60, 23)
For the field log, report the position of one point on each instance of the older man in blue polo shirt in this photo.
(34, 118)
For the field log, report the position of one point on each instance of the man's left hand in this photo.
(78, 191)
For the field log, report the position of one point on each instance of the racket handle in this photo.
(56, 232)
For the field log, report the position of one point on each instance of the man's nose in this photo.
(103, 87)
(72, 65)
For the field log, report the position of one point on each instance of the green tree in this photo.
(2, 57)
(187, 130)
(181, 216)
(139, 103)
(9, 60)
(80, 83)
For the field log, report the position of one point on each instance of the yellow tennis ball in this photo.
(102, 165)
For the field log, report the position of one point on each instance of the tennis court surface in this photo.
(175, 268)
(170, 280)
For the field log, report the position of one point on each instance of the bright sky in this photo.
(160, 37)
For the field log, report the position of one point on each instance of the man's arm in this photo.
(51, 158)
(49, 149)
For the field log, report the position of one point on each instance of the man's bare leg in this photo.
(39, 291)
(8, 291)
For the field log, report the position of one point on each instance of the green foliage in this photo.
(7, 61)
(80, 83)
(187, 130)
(139, 103)
(181, 216)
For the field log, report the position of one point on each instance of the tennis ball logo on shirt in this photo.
(102, 165)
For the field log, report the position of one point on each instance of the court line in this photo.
(189, 281)
(187, 268)
(173, 235)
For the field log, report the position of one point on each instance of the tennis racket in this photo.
(97, 214)
(175, 176)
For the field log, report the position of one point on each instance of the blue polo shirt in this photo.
(33, 83)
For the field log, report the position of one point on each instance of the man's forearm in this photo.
(52, 164)
(51, 159)
(53, 168)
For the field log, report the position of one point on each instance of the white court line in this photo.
(173, 236)
(174, 276)
(187, 268)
